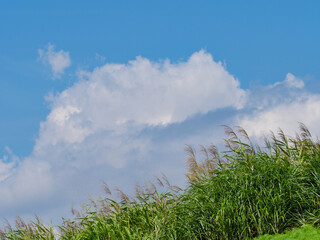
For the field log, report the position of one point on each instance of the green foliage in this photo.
(245, 192)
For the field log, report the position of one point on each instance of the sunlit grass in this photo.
(306, 232)
(243, 193)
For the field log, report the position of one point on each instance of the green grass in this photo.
(242, 193)
(307, 232)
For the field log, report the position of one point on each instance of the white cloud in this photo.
(116, 101)
(293, 81)
(7, 164)
(290, 81)
(284, 116)
(96, 128)
(105, 112)
(281, 105)
(30, 182)
(58, 60)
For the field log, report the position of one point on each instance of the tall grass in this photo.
(251, 191)
(244, 192)
(149, 215)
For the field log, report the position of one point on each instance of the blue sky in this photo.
(73, 88)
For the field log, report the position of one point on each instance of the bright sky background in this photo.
(113, 90)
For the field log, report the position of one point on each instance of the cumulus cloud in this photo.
(58, 60)
(97, 126)
(116, 101)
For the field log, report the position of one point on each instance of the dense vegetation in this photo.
(242, 193)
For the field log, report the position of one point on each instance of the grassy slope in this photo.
(307, 232)
(243, 193)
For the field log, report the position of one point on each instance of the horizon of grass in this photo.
(242, 193)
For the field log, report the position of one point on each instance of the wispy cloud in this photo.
(290, 81)
(7, 164)
(293, 81)
(58, 60)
